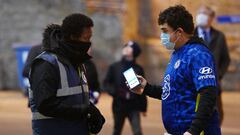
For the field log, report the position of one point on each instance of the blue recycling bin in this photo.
(21, 51)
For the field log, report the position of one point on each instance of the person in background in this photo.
(125, 104)
(189, 88)
(33, 53)
(59, 94)
(216, 42)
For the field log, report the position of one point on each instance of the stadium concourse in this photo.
(15, 117)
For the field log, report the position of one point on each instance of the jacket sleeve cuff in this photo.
(146, 89)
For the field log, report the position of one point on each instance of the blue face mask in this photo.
(165, 38)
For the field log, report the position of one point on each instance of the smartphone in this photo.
(131, 78)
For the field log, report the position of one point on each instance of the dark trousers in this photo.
(119, 119)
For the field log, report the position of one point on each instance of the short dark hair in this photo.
(74, 24)
(177, 16)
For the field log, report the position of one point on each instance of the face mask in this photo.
(84, 46)
(75, 51)
(201, 19)
(165, 38)
(80, 46)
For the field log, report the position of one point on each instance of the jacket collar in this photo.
(213, 33)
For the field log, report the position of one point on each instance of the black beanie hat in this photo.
(136, 48)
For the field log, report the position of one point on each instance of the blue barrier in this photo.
(21, 54)
(228, 19)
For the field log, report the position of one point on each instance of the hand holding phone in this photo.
(135, 82)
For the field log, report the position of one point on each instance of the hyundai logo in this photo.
(205, 70)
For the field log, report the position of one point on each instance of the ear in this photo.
(180, 31)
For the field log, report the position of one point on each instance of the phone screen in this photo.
(131, 78)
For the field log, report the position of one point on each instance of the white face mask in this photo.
(165, 38)
(202, 19)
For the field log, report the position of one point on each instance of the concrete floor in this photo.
(15, 117)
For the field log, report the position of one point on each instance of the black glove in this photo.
(95, 119)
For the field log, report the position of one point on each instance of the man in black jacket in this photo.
(59, 97)
(91, 73)
(125, 104)
(216, 42)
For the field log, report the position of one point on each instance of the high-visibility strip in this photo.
(71, 91)
(196, 108)
(39, 116)
(66, 90)
(63, 75)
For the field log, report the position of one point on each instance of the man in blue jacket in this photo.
(189, 88)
